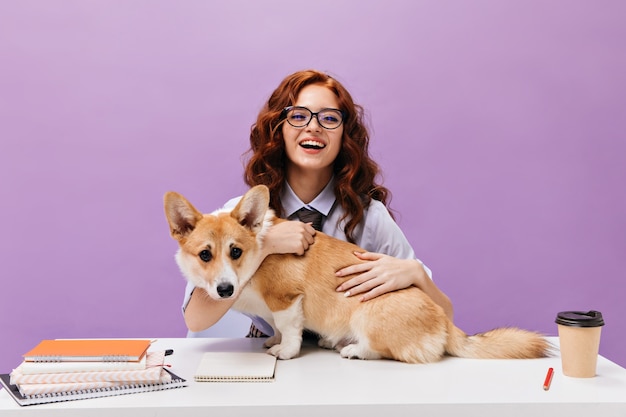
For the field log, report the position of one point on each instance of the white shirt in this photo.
(377, 232)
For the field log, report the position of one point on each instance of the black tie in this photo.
(310, 216)
(315, 217)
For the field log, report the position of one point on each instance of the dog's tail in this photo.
(500, 343)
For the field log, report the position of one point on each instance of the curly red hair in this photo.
(354, 170)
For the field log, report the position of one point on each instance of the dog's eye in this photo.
(235, 253)
(205, 255)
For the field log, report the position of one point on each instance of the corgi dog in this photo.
(221, 252)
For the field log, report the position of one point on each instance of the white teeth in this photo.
(312, 144)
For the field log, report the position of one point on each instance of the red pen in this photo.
(548, 380)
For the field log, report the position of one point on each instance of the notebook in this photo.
(236, 367)
(150, 373)
(35, 368)
(161, 376)
(131, 388)
(103, 350)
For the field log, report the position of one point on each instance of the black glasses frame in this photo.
(313, 114)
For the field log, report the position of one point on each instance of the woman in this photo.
(309, 145)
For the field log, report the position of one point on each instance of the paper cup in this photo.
(579, 338)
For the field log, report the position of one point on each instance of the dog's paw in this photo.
(355, 351)
(325, 343)
(283, 351)
(350, 352)
(273, 340)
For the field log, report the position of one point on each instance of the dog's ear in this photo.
(251, 209)
(181, 215)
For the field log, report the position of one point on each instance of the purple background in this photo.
(499, 127)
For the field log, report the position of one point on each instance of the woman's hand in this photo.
(381, 274)
(288, 237)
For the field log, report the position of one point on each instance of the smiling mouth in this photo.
(312, 144)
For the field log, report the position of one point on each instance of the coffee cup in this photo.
(579, 340)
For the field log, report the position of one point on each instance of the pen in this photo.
(548, 380)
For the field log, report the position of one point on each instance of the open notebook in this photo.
(236, 367)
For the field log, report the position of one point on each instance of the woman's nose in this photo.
(317, 126)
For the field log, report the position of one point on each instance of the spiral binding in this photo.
(59, 358)
(234, 379)
(126, 387)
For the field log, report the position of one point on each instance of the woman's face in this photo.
(312, 147)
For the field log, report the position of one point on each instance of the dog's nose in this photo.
(225, 290)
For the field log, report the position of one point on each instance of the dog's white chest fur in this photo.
(252, 303)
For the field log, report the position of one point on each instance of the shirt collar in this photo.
(322, 203)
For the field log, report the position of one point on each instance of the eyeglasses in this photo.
(298, 116)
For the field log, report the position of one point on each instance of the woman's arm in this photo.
(390, 264)
(383, 273)
(203, 312)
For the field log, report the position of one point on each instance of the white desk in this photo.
(321, 383)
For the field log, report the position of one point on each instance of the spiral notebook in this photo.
(152, 372)
(130, 388)
(29, 368)
(236, 367)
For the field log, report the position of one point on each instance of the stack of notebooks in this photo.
(74, 369)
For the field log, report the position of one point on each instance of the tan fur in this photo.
(294, 292)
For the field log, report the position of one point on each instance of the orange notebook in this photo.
(103, 350)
